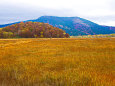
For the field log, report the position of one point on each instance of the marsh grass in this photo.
(57, 62)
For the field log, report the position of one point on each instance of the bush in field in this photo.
(32, 30)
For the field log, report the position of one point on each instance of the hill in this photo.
(32, 30)
(74, 25)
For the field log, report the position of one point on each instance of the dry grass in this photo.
(57, 62)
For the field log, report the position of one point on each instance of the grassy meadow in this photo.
(57, 62)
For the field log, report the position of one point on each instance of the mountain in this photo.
(4, 25)
(75, 25)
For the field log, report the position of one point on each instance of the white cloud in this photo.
(109, 23)
(28, 9)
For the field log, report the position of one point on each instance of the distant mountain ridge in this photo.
(75, 25)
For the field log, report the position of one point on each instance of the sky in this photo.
(99, 11)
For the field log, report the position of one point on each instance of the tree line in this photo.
(32, 30)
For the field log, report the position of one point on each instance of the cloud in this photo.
(29, 9)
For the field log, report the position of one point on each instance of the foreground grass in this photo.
(57, 62)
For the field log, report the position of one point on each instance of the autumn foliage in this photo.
(32, 30)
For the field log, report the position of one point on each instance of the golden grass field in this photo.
(57, 62)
